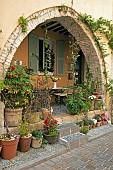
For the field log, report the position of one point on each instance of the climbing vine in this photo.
(101, 25)
(24, 23)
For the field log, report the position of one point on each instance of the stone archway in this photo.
(69, 20)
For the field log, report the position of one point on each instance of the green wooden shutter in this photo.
(33, 49)
(60, 58)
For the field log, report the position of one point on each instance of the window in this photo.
(41, 56)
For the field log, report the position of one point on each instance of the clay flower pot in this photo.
(24, 143)
(9, 147)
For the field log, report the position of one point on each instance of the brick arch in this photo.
(68, 20)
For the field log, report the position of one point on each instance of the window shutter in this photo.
(60, 58)
(33, 49)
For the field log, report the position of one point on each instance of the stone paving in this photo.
(96, 155)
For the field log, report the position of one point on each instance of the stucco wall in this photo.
(11, 10)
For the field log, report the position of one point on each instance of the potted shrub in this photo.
(8, 145)
(25, 137)
(18, 88)
(51, 134)
(36, 141)
(84, 129)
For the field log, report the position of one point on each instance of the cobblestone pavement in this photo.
(96, 155)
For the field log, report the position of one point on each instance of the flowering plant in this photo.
(50, 125)
(55, 79)
(18, 86)
(92, 97)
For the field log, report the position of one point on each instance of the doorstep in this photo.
(67, 118)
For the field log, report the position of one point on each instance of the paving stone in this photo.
(97, 154)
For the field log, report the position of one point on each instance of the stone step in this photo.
(64, 118)
(67, 129)
(74, 140)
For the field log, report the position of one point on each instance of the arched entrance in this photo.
(67, 19)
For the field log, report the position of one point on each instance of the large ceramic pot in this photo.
(9, 147)
(52, 139)
(13, 116)
(24, 143)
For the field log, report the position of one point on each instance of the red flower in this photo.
(50, 123)
(12, 68)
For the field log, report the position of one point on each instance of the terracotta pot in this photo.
(52, 139)
(9, 148)
(98, 124)
(104, 122)
(24, 143)
(36, 143)
(13, 116)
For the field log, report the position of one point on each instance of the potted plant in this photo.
(84, 129)
(8, 144)
(25, 137)
(92, 100)
(51, 134)
(36, 141)
(91, 123)
(18, 88)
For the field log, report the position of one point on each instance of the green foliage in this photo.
(53, 133)
(24, 23)
(73, 105)
(37, 134)
(90, 122)
(84, 129)
(2, 85)
(63, 8)
(18, 87)
(80, 123)
(24, 129)
(101, 25)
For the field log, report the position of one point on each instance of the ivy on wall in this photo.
(101, 25)
(24, 23)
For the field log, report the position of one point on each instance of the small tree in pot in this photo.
(18, 88)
